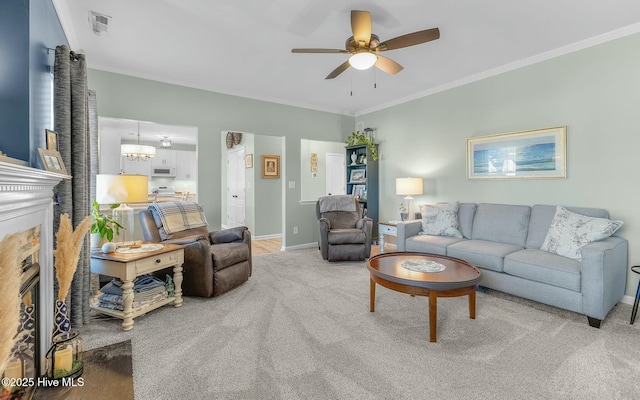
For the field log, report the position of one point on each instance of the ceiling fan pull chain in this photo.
(351, 84)
(375, 79)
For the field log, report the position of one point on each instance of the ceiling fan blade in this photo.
(361, 27)
(388, 65)
(410, 39)
(318, 51)
(341, 68)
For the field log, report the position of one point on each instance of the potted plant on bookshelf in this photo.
(358, 137)
(102, 226)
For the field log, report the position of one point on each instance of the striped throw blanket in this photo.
(179, 216)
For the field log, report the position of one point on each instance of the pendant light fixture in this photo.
(137, 151)
(165, 142)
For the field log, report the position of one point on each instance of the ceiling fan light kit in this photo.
(365, 46)
(363, 61)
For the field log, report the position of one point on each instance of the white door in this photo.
(336, 174)
(235, 188)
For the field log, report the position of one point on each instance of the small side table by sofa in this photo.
(129, 266)
(635, 269)
(386, 228)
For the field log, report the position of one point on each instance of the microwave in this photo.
(163, 171)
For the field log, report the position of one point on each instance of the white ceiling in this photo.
(243, 47)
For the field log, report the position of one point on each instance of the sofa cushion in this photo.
(346, 236)
(543, 267)
(501, 223)
(542, 215)
(430, 244)
(466, 212)
(569, 232)
(440, 219)
(482, 253)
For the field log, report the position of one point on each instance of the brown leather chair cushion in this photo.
(346, 236)
(228, 254)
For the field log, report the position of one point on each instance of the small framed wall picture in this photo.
(52, 161)
(52, 140)
(248, 161)
(270, 166)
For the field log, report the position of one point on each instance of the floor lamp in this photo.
(408, 187)
(122, 189)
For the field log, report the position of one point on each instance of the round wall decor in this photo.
(229, 140)
(237, 137)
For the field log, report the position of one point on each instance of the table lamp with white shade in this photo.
(408, 187)
(122, 189)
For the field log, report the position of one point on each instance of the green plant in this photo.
(103, 224)
(358, 137)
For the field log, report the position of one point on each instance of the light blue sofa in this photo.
(505, 240)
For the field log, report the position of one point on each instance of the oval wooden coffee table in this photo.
(458, 278)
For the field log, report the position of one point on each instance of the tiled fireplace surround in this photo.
(26, 201)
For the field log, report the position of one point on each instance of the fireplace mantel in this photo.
(26, 201)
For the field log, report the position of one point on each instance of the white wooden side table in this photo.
(129, 266)
(386, 228)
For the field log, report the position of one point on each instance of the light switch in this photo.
(292, 184)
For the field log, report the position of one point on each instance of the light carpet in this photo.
(300, 328)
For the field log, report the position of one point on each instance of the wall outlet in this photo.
(295, 230)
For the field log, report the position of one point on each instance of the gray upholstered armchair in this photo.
(214, 262)
(344, 233)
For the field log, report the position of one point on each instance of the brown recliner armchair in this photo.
(214, 262)
(344, 233)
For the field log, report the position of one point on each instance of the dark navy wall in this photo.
(27, 29)
(14, 78)
(45, 32)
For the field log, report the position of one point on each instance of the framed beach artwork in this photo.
(537, 154)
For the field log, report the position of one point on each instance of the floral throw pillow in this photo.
(440, 219)
(569, 232)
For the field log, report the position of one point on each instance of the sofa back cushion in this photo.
(501, 223)
(466, 212)
(542, 215)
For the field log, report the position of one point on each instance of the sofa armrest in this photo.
(405, 231)
(324, 225)
(604, 275)
(366, 224)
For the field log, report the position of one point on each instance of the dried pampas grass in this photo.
(69, 243)
(10, 276)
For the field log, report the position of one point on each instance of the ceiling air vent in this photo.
(99, 22)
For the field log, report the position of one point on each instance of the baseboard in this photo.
(628, 299)
(300, 246)
(263, 237)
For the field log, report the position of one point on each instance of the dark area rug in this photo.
(108, 374)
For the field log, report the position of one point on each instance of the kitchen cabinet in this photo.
(186, 165)
(135, 167)
(164, 163)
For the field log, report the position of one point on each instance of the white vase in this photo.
(354, 157)
(97, 242)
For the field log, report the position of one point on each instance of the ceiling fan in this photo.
(366, 46)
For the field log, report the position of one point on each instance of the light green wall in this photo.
(594, 92)
(121, 96)
(313, 186)
(268, 191)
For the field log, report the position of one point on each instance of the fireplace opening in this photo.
(24, 365)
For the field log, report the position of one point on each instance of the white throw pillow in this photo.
(569, 232)
(440, 219)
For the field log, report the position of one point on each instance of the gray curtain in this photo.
(77, 146)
